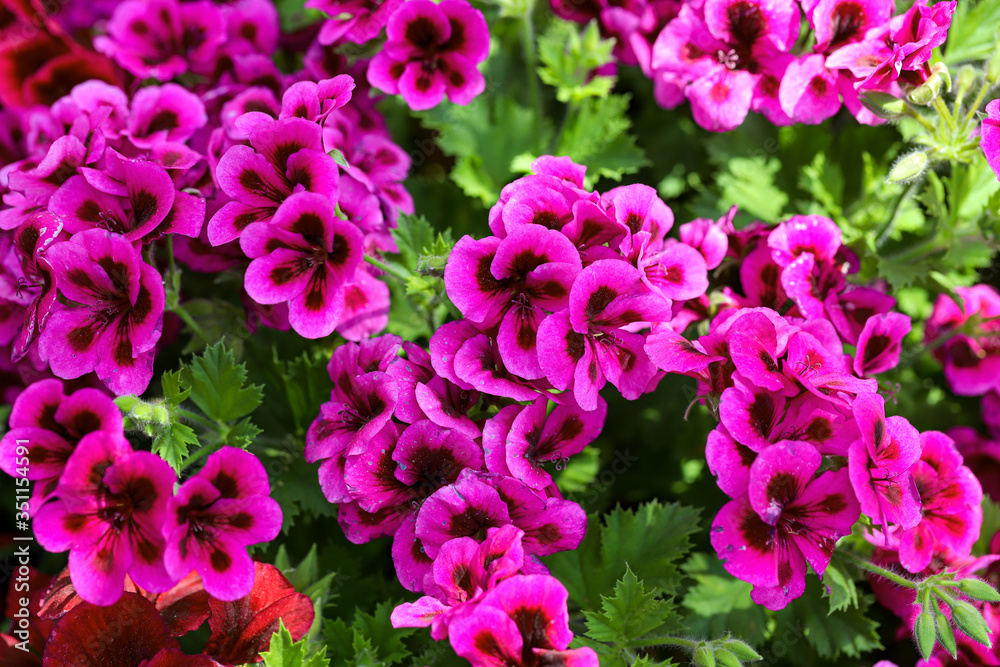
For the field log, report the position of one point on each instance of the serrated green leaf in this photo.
(242, 433)
(648, 540)
(628, 614)
(170, 382)
(482, 163)
(569, 59)
(848, 632)
(217, 384)
(173, 444)
(597, 135)
(840, 588)
(748, 182)
(283, 652)
(719, 603)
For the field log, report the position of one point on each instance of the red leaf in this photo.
(122, 635)
(242, 629)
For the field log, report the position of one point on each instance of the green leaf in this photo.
(170, 382)
(597, 135)
(217, 385)
(569, 59)
(470, 134)
(580, 472)
(848, 632)
(173, 444)
(991, 524)
(242, 433)
(840, 588)
(973, 31)
(720, 603)
(748, 182)
(369, 640)
(283, 652)
(648, 540)
(629, 614)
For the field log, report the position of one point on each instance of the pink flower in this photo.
(989, 140)
(305, 256)
(112, 503)
(432, 51)
(950, 496)
(115, 325)
(880, 343)
(212, 518)
(523, 622)
(789, 518)
(52, 424)
(880, 462)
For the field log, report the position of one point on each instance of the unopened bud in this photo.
(942, 71)
(142, 411)
(944, 632)
(884, 105)
(160, 415)
(741, 650)
(965, 80)
(993, 67)
(928, 91)
(126, 403)
(925, 633)
(979, 590)
(724, 658)
(703, 656)
(908, 167)
(970, 621)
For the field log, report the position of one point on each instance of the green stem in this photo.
(880, 571)
(392, 269)
(170, 253)
(196, 418)
(882, 235)
(927, 125)
(192, 324)
(974, 107)
(945, 113)
(208, 449)
(664, 640)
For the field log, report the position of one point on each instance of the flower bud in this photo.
(884, 105)
(942, 71)
(160, 415)
(703, 656)
(979, 590)
(993, 67)
(741, 649)
(142, 411)
(908, 167)
(925, 633)
(970, 621)
(927, 92)
(944, 632)
(724, 658)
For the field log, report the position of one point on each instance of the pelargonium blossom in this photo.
(49, 424)
(432, 50)
(989, 139)
(523, 622)
(788, 518)
(305, 256)
(116, 323)
(950, 497)
(880, 462)
(214, 515)
(111, 505)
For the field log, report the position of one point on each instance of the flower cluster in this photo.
(415, 447)
(789, 397)
(432, 50)
(144, 626)
(570, 280)
(102, 182)
(728, 57)
(966, 339)
(115, 510)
